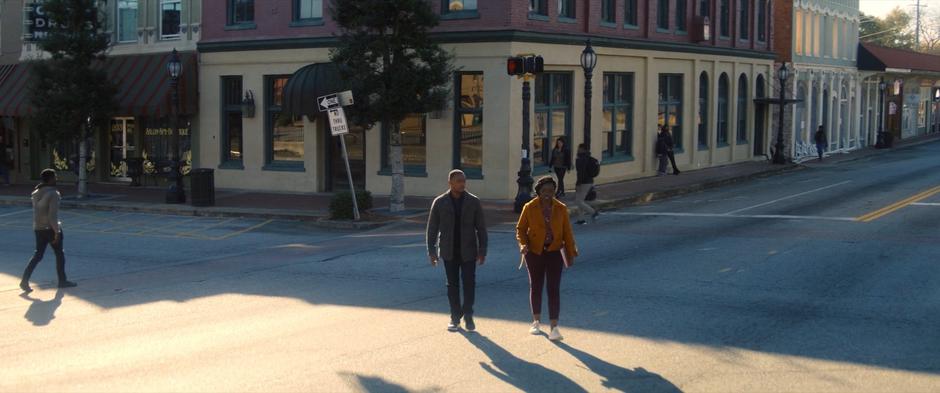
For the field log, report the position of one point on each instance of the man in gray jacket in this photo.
(46, 226)
(456, 219)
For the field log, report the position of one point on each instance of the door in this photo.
(356, 146)
(122, 146)
(760, 119)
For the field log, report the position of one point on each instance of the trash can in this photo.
(203, 187)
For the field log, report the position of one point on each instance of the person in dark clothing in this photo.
(821, 142)
(662, 148)
(670, 150)
(585, 166)
(560, 161)
(456, 232)
(46, 227)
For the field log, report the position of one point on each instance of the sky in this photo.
(880, 8)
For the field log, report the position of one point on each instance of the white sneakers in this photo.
(536, 328)
(555, 335)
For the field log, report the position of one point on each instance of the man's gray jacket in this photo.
(473, 237)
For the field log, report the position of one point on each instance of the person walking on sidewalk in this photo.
(547, 245)
(456, 232)
(47, 229)
(561, 162)
(821, 142)
(662, 148)
(588, 168)
(670, 150)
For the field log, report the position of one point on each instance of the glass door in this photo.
(122, 146)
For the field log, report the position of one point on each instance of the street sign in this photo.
(328, 102)
(338, 124)
(345, 98)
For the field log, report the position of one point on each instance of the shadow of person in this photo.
(526, 376)
(41, 312)
(379, 385)
(619, 378)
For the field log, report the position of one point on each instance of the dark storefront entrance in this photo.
(336, 179)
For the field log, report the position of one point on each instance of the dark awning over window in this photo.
(308, 83)
(142, 82)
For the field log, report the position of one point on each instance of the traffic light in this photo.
(525, 65)
(515, 66)
(534, 65)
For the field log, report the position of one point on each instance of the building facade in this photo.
(900, 92)
(694, 64)
(143, 34)
(818, 41)
(12, 140)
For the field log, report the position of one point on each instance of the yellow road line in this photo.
(246, 230)
(898, 205)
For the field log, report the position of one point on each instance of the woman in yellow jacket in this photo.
(544, 233)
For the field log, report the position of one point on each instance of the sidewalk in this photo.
(315, 206)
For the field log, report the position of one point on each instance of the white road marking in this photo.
(925, 204)
(789, 197)
(717, 215)
(16, 212)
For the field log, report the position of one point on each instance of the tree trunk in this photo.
(397, 196)
(82, 159)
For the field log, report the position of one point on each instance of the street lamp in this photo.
(782, 74)
(175, 192)
(588, 62)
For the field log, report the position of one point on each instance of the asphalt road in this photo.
(822, 279)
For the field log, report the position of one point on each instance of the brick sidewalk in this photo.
(315, 206)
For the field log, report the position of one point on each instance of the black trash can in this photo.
(203, 187)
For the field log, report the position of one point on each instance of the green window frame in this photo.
(232, 132)
(670, 106)
(283, 138)
(468, 123)
(553, 94)
(742, 110)
(618, 116)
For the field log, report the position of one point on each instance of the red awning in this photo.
(142, 82)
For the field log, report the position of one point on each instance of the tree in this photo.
(68, 94)
(386, 55)
(895, 30)
(930, 32)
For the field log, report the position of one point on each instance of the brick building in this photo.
(696, 64)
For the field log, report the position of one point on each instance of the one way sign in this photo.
(328, 102)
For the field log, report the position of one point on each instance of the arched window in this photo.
(703, 111)
(742, 109)
(723, 110)
(800, 116)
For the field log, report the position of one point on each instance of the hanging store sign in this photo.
(36, 23)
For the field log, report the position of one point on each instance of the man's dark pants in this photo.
(455, 271)
(44, 238)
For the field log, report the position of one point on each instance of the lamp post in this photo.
(782, 74)
(588, 62)
(175, 192)
(525, 170)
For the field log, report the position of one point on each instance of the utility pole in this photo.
(917, 14)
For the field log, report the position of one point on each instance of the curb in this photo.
(646, 197)
(317, 219)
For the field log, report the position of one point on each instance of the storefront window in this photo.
(670, 105)
(285, 134)
(552, 114)
(618, 115)
(469, 112)
(723, 110)
(703, 111)
(170, 19)
(158, 142)
(231, 119)
(413, 143)
(127, 20)
(742, 109)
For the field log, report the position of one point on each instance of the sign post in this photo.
(333, 105)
